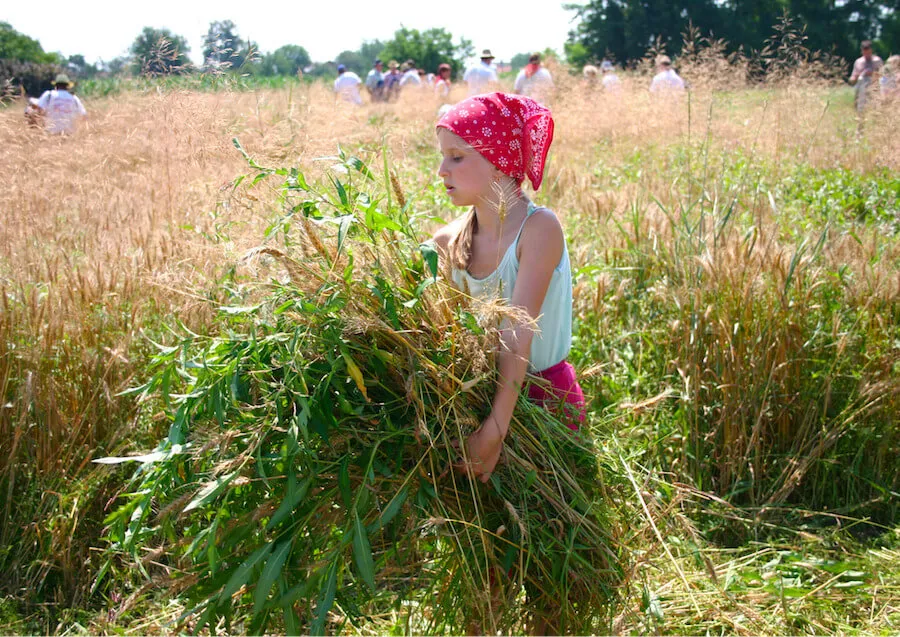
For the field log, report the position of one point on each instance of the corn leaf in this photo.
(210, 491)
(362, 552)
(270, 573)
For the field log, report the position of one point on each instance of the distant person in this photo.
(610, 79)
(890, 80)
(534, 80)
(482, 77)
(375, 82)
(865, 70)
(442, 85)
(411, 76)
(666, 79)
(346, 86)
(60, 109)
(392, 81)
(590, 75)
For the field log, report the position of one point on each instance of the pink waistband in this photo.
(564, 394)
(554, 369)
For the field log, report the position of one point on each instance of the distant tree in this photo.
(370, 51)
(626, 29)
(79, 67)
(428, 49)
(577, 55)
(361, 60)
(115, 66)
(286, 60)
(159, 52)
(354, 61)
(21, 48)
(519, 60)
(223, 48)
(889, 40)
(32, 77)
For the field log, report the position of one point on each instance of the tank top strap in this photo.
(531, 210)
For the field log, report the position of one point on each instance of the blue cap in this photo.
(341, 68)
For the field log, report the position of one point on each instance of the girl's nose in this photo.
(442, 169)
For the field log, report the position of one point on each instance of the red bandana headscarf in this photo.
(512, 132)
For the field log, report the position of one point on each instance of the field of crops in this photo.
(247, 264)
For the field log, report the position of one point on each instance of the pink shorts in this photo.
(564, 396)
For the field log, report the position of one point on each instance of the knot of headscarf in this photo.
(512, 132)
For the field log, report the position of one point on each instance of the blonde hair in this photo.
(459, 248)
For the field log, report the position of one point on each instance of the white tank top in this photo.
(552, 342)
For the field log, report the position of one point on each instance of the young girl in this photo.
(490, 143)
(442, 85)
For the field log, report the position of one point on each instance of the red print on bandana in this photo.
(510, 131)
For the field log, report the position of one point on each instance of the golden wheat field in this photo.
(130, 225)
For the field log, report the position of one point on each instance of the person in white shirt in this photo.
(346, 86)
(442, 85)
(482, 77)
(375, 82)
(865, 70)
(534, 80)
(410, 75)
(610, 79)
(61, 109)
(666, 79)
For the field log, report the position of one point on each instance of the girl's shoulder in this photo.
(542, 236)
(542, 220)
(444, 234)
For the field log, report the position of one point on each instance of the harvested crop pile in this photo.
(306, 479)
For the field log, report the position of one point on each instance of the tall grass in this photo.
(763, 317)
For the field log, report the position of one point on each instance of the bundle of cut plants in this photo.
(307, 477)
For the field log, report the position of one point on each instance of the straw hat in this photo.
(62, 78)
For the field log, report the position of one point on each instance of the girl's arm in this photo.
(541, 248)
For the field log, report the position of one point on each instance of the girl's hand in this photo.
(483, 447)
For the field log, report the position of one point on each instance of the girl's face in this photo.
(468, 177)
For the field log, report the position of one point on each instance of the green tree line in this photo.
(158, 51)
(624, 30)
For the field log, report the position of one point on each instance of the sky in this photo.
(105, 29)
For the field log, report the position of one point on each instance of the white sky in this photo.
(104, 29)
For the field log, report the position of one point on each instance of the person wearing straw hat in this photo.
(410, 75)
(392, 81)
(60, 108)
(482, 77)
